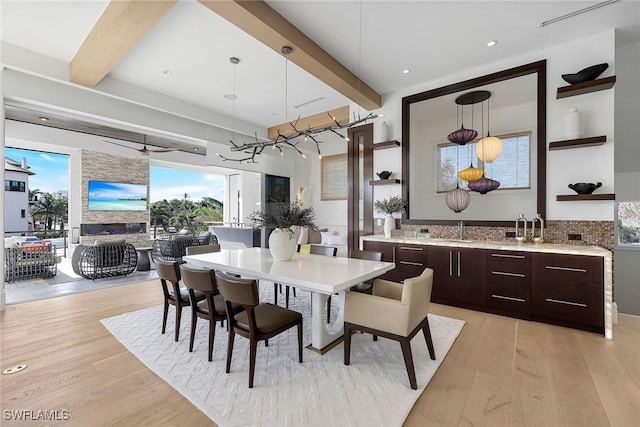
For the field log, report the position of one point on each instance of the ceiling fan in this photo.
(144, 150)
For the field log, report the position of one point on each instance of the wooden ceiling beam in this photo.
(120, 27)
(320, 120)
(262, 22)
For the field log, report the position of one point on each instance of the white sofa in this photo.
(330, 235)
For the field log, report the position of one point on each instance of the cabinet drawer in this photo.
(509, 298)
(573, 269)
(575, 303)
(387, 249)
(509, 268)
(411, 258)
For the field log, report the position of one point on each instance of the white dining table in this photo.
(321, 275)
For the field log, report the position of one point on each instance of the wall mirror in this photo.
(517, 106)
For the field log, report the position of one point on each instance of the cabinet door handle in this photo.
(559, 301)
(508, 298)
(458, 264)
(504, 273)
(411, 263)
(508, 256)
(577, 270)
(393, 254)
(450, 263)
(406, 248)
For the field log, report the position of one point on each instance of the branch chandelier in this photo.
(291, 140)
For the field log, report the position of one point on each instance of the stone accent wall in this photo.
(597, 233)
(113, 168)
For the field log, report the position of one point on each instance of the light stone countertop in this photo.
(505, 246)
(526, 247)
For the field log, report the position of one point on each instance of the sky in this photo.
(52, 174)
(51, 170)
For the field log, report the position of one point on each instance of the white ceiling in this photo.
(374, 39)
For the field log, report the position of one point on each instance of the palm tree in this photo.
(44, 208)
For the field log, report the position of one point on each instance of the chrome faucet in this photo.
(461, 225)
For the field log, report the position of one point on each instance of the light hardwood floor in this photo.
(500, 371)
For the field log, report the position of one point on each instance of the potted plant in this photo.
(389, 207)
(286, 220)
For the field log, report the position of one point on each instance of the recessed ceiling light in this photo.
(167, 72)
(492, 43)
(381, 115)
(274, 114)
(44, 119)
(196, 149)
(406, 71)
(230, 96)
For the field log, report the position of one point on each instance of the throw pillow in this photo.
(326, 235)
(304, 236)
(337, 240)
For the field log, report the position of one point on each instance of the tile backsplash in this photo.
(597, 233)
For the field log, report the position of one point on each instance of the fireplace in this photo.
(113, 229)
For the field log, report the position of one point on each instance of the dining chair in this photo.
(212, 308)
(258, 322)
(405, 306)
(203, 249)
(169, 275)
(365, 287)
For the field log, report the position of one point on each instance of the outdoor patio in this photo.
(66, 282)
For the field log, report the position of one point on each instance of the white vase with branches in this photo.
(389, 207)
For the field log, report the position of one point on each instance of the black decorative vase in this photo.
(589, 73)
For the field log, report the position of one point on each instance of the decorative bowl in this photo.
(584, 187)
(589, 73)
(384, 174)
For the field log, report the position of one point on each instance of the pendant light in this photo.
(484, 184)
(470, 174)
(489, 148)
(457, 199)
(462, 135)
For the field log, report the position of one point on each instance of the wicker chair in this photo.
(175, 247)
(28, 262)
(104, 259)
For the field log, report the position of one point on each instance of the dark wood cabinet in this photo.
(555, 288)
(568, 289)
(509, 282)
(458, 275)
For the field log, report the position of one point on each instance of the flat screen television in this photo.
(117, 196)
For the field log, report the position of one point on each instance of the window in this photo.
(14, 186)
(23, 213)
(512, 169)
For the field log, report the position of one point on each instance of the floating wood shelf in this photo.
(577, 143)
(386, 144)
(385, 182)
(586, 87)
(572, 197)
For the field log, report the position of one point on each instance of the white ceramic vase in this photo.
(282, 244)
(573, 124)
(389, 224)
(383, 129)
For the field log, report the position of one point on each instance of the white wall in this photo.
(564, 166)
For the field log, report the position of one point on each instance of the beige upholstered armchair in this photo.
(395, 311)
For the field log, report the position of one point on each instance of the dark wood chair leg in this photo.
(212, 336)
(164, 316)
(375, 338)
(275, 294)
(347, 345)
(252, 361)
(329, 309)
(286, 296)
(192, 335)
(231, 336)
(178, 316)
(294, 292)
(426, 331)
(300, 341)
(408, 361)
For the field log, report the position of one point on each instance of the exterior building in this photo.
(16, 196)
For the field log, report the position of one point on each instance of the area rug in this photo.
(373, 391)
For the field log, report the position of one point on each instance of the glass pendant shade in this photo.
(462, 135)
(470, 174)
(484, 185)
(488, 149)
(458, 199)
